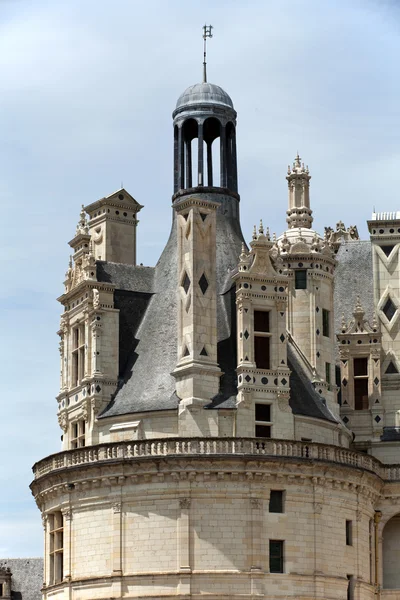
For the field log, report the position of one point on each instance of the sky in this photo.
(87, 89)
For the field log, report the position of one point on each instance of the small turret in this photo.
(299, 213)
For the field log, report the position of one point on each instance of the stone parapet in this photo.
(207, 447)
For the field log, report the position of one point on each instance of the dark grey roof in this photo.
(27, 577)
(304, 399)
(126, 277)
(353, 278)
(391, 434)
(147, 383)
(204, 93)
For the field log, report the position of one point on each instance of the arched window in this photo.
(391, 554)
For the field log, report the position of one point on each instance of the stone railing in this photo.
(195, 447)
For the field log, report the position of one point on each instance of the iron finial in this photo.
(207, 33)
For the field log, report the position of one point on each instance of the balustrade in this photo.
(245, 447)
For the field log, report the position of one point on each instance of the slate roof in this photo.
(126, 277)
(27, 577)
(146, 383)
(353, 278)
(147, 300)
(304, 399)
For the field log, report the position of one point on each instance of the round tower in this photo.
(310, 264)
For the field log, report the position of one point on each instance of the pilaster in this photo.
(197, 372)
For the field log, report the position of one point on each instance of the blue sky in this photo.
(87, 88)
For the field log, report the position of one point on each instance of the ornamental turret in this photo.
(309, 261)
(298, 177)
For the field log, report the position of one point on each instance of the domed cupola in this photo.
(205, 140)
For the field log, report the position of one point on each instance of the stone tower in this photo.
(203, 452)
(310, 264)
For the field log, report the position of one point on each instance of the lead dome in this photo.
(204, 93)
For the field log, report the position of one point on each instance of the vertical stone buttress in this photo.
(384, 229)
(197, 372)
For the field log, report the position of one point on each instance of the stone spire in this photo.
(299, 213)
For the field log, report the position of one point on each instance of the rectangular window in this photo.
(263, 420)
(328, 373)
(349, 533)
(56, 546)
(276, 501)
(78, 354)
(350, 587)
(276, 556)
(325, 322)
(360, 371)
(1, 589)
(78, 430)
(300, 279)
(262, 337)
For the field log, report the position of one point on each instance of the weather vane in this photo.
(207, 33)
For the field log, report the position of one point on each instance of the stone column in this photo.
(67, 541)
(257, 558)
(96, 334)
(184, 566)
(116, 558)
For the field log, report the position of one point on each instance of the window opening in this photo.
(325, 322)
(276, 501)
(276, 556)
(78, 354)
(300, 279)
(56, 547)
(263, 420)
(328, 373)
(360, 370)
(78, 430)
(262, 337)
(349, 533)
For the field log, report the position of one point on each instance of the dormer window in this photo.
(360, 370)
(262, 339)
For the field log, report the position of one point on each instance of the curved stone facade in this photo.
(178, 517)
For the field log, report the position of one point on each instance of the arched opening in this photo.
(176, 158)
(211, 131)
(231, 161)
(391, 554)
(189, 160)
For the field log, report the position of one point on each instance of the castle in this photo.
(231, 416)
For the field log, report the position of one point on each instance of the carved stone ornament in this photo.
(67, 514)
(96, 299)
(116, 507)
(185, 502)
(63, 421)
(255, 503)
(283, 402)
(44, 521)
(359, 515)
(318, 508)
(85, 414)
